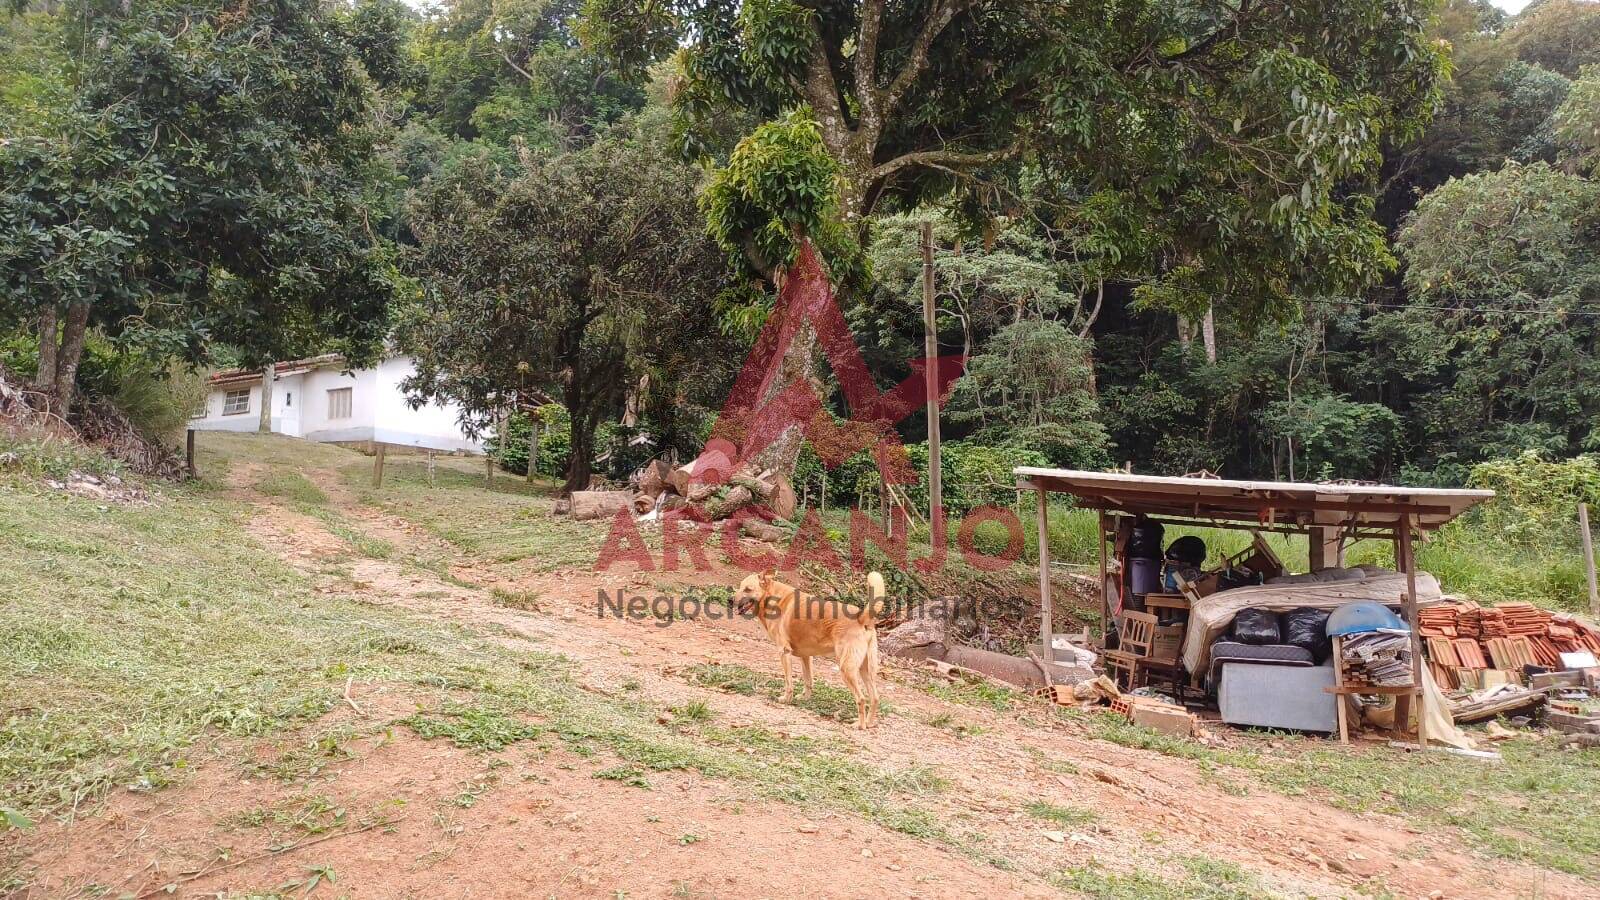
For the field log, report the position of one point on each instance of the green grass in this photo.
(1201, 879)
(974, 693)
(473, 728)
(136, 634)
(290, 485)
(827, 701)
(49, 457)
(1065, 816)
(513, 522)
(1519, 809)
(1522, 808)
(359, 541)
(219, 449)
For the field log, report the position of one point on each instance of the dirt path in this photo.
(439, 821)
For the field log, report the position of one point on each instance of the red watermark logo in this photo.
(762, 409)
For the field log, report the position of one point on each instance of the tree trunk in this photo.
(533, 446)
(72, 337)
(1208, 331)
(267, 374)
(799, 361)
(580, 465)
(49, 341)
(635, 401)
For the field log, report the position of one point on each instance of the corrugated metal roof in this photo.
(1261, 502)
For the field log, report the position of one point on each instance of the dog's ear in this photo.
(769, 576)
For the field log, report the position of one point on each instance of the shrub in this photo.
(555, 441)
(1536, 499)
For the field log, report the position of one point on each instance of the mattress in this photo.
(1210, 616)
(1260, 654)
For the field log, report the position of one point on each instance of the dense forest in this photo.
(1290, 239)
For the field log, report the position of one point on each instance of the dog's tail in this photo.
(876, 592)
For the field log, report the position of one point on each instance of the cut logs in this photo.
(600, 504)
(711, 487)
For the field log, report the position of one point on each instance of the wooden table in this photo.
(1166, 601)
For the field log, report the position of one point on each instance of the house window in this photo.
(236, 403)
(339, 403)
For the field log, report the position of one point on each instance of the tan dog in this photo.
(805, 627)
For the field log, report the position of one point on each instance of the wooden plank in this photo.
(1338, 681)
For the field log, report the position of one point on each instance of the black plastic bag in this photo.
(1187, 549)
(1256, 626)
(1308, 629)
(1145, 542)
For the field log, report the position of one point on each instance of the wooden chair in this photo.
(1138, 632)
(1132, 656)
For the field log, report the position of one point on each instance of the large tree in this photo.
(1232, 125)
(207, 181)
(1226, 138)
(1503, 323)
(576, 275)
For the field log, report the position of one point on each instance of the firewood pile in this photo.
(710, 488)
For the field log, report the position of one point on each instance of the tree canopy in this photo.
(577, 274)
(1229, 131)
(202, 177)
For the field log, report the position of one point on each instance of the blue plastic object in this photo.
(1360, 616)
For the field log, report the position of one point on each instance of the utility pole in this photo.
(930, 348)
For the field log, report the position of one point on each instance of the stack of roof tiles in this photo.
(1464, 636)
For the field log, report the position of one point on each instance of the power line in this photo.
(1580, 313)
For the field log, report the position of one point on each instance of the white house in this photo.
(320, 400)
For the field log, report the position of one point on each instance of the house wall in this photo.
(287, 404)
(214, 420)
(317, 425)
(433, 425)
(378, 410)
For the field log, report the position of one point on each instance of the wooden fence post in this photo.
(533, 445)
(377, 466)
(188, 455)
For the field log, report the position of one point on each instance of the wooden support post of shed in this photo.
(1046, 608)
(1327, 547)
(1588, 557)
(377, 464)
(1408, 564)
(1105, 598)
